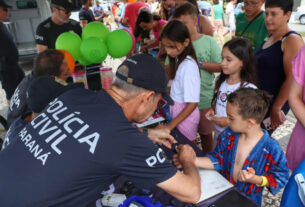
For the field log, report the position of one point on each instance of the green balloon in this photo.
(83, 61)
(93, 50)
(95, 29)
(70, 42)
(119, 43)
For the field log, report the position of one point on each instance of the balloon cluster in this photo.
(96, 43)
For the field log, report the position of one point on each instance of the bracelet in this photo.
(145, 132)
(265, 181)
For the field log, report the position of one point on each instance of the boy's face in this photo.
(236, 121)
(253, 7)
(190, 22)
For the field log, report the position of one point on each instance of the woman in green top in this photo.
(217, 15)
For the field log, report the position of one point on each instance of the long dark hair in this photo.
(176, 31)
(242, 49)
(146, 17)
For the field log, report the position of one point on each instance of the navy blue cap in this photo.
(146, 72)
(66, 4)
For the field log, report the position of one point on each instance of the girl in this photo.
(238, 70)
(184, 71)
(152, 23)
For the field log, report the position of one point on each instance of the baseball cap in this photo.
(146, 72)
(4, 5)
(44, 89)
(66, 4)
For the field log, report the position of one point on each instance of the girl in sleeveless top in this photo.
(155, 25)
(274, 59)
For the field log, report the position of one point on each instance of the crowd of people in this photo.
(67, 144)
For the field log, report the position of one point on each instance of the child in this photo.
(152, 23)
(245, 154)
(184, 71)
(208, 54)
(238, 70)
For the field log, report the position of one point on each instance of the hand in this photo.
(143, 49)
(161, 136)
(176, 161)
(186, 154)
(210, 114)
(220, 121)
(246, 176)
(277, 117)
(124, 21)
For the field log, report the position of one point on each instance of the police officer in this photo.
(10, 72)
(60, 22)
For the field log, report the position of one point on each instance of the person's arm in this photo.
(204, 162)
(188, 109)
(290, 46)
(41, 48)
(184, 186)
(154, 44)
(206, 26)
(160, 136)
(100, 18)
(212, 13)
(296, 101)
(211, 67)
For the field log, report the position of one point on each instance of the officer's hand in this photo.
(161, 136)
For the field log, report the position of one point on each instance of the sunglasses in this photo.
(5, 9)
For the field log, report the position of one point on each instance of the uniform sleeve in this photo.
(191, 82)
(217, 156)
(145, 164)
(41, 36)
(277, 172)
(298, 67)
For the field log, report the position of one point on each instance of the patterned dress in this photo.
(267, 158)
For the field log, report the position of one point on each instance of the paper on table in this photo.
(212, 183)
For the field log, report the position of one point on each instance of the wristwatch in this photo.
(200, 63)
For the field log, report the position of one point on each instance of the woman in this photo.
(217, 15)
(154, 24)
(274, 59)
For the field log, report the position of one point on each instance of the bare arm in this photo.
(206, 26)
(290, 46)
(41, 48)
(184, 186)
(212, 13)
(188, 109)
(296, 101)
(211, 67)
(204, 162)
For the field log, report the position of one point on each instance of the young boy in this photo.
(208, 54)
(245, 154)
(251, 23)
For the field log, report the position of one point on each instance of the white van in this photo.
(24, 17)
